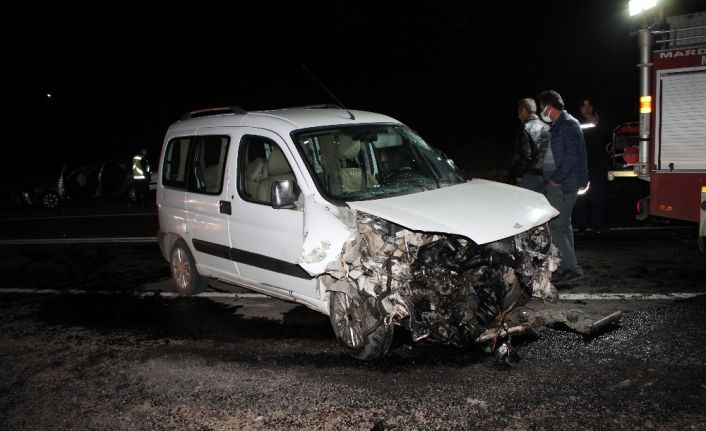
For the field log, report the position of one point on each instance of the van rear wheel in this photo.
(357, 327)
(186, 277)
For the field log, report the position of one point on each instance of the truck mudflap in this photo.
(702, 222)
(522, 320)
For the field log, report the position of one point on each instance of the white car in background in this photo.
(354, 215)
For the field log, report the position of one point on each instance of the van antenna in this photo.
(328, 91)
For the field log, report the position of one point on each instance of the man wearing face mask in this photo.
(566, 170)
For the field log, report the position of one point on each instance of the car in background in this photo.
(108, 179)
(133, 193)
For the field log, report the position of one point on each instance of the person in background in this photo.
(566, 171)
(589, 213)
(531, 143)
(141, 173)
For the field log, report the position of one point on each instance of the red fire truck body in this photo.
(672, 128)
(678, 133)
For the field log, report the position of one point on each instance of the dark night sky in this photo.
(119, 76)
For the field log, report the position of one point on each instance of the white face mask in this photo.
(546, 116)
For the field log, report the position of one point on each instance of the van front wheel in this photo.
(187, 279)
(357, 326)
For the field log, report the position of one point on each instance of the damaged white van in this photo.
(352, 214)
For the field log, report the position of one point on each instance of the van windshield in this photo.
(373, 161)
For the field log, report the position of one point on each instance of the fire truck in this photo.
(668, 146)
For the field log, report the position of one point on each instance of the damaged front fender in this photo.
(329, 240)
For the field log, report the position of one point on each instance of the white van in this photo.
(352, 214)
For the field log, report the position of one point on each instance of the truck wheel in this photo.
(186, 277)
(643, 209)
(351, 318)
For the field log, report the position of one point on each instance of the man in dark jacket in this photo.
(531, 145)
(566, 170)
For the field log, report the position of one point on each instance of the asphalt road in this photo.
(102, 350)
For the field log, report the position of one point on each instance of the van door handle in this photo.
(224, 207)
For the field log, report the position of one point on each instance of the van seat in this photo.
(277, 169)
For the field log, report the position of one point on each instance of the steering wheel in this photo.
(402, 173)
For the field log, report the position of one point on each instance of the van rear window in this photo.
(175, 158)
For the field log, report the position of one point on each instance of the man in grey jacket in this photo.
(531, 144)
(566, 171)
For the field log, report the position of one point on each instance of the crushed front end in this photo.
(446, 288)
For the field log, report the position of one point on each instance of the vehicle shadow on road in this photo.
(202, 327)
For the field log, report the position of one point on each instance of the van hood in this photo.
(481, 210)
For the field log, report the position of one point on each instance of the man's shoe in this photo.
(556, 279)
(568, 277)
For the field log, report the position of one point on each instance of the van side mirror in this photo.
(283, 194)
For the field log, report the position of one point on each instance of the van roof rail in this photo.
(320, 106)
(214, 111)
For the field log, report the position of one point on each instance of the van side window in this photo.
(262, 163)
(175, 158)
(208, 164)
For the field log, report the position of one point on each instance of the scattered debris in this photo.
(379, 426)
(505, 355)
